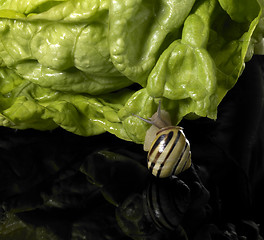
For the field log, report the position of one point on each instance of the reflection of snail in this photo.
(168, 149)
(158, 212)
(165, 202)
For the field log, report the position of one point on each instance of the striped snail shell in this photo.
(168, 148)
(169, 153)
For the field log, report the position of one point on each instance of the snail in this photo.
(168, 148)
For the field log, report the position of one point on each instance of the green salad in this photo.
(88, 66)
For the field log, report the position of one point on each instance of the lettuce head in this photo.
(89, 66)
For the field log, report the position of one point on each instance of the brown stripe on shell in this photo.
(169, 152)
(162, 138)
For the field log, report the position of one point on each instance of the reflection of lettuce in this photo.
(70, 63)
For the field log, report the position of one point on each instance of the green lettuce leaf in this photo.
(88, 66)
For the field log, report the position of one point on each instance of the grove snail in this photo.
(168, 148)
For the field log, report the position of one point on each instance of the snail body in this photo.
(168, 148)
